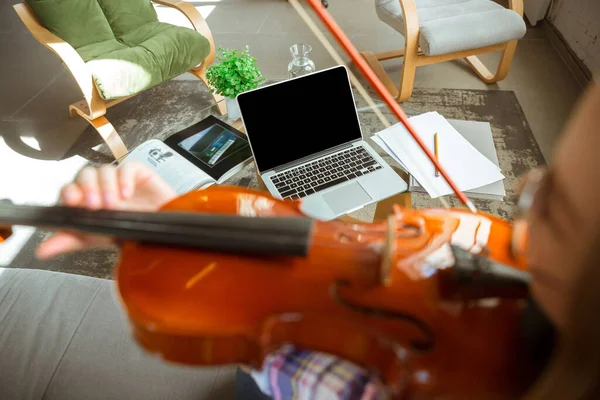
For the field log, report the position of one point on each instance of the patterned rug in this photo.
(177, 104)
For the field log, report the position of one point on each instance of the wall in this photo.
(578, 21)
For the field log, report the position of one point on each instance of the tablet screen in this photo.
(212, 145)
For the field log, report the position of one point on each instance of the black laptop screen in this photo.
(288, 121)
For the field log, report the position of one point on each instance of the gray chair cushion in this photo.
(65, 337)
(448, 26)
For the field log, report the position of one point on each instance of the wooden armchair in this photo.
(93, 106)
(442, 30)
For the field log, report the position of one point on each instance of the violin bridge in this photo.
(388, 252)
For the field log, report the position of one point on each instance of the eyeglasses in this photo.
(531, 196)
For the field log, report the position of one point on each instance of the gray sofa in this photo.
(65, 337)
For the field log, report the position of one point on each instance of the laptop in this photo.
(308, 145)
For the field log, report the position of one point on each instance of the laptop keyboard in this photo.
(324, 173)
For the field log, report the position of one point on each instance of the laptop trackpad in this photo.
(346, 198)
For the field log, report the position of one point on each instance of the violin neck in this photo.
(218, 232)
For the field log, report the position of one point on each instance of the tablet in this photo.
(212, 145)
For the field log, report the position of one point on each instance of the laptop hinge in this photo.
(312, 157)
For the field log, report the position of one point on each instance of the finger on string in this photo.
(87, 179)
(107, 180)
(126, 180)
(72, 195)
(131, 175)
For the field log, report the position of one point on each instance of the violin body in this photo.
(377, 294)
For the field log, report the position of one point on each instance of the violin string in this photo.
(284, 235)
(360, 88)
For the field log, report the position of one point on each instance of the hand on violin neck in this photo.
(132, 187)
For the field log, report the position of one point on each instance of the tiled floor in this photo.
(35, 89)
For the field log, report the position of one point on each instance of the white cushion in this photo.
(448, 26)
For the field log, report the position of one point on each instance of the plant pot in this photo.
(233, 111)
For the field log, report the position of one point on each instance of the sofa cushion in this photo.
(77, 22)
(153, 53)
(122, 42)
(65, 337)
(144, 32)
(125, 15)
(448, 26)
(95, 50)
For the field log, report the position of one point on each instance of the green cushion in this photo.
(77, 22)
(122, 42)
(151, 54)
(145, 32)
(125, 15)
(95, 50)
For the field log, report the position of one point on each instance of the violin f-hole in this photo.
(344, 338)
(422, 345)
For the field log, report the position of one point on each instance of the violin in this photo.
(429, 300)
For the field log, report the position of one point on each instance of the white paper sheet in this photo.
(387, 149)
(467, 167)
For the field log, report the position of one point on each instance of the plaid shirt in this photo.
(299, 375)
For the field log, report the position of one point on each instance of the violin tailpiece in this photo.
(477, 273)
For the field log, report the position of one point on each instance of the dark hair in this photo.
(574, 370)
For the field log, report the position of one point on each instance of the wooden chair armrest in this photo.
(411, 19)
(71, 59)
(516, 5)
(198, 22)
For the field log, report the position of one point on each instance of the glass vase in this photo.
(233, 110)
(301, 63)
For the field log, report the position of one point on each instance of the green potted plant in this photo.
(235, 72)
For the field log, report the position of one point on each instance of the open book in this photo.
(206, 153)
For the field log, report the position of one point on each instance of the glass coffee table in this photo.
(370, 124)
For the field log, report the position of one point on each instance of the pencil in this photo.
(437, 152)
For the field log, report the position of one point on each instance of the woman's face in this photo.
(565, 215)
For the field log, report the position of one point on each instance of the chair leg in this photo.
(409, 65)
(111, 137)
(503, 66)
(106, 130)
(373, 61)
(201, 74)
(409, 68)
(388, 55)
(407, 78)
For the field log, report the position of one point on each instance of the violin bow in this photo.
(366, 70)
